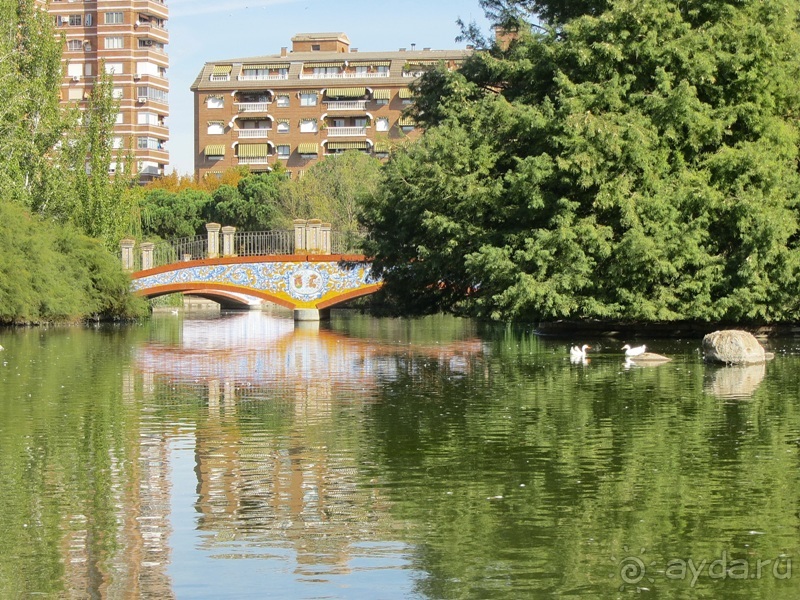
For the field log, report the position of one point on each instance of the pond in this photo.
(241, 456)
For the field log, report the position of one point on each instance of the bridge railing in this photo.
(313, 237)
(263, 243)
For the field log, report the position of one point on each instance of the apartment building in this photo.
(323, 97)
(128, 39)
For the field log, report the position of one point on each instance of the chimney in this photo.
(284, 51)
(402, 49)
(427, 49)
(353, 49)
(413, 47)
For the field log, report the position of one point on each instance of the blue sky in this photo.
(207, 30)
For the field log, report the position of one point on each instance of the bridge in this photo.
(307, 269)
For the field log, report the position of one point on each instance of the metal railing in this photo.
(346, 131)
(263, 243)
(189, 248)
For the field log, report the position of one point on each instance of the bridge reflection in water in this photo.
(269, 472)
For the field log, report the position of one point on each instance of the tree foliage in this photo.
(639, 162)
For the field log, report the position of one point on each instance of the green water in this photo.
(241, 457)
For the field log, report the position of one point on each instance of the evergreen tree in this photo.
(636, 161)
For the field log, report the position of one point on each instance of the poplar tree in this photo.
(630, 159)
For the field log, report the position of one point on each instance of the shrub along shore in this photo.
(52, 273)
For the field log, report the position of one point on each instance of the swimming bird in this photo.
(634, 351)
(578, 352)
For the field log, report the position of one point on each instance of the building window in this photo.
(315, 47)
(148, 118)
(216, 127)
(383, 69)
(75, 69)
(113, 43)
(308, 126)
(283, 126)
(75, 45)
(75, 93)
(149, 143)
(215, 102)
(114, 18)
(308, 99)
(114, 68)
(120, 119)
(117, 93)
(284, 151)
(382, 124)
(116, 143)
(362, 70)
(382, 101)
(282, 101)
(76, 20)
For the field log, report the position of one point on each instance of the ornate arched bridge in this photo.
(308, 269)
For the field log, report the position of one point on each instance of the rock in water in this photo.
(733, 347)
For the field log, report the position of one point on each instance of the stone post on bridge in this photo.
(325, 233)
(313, 236)
(299, 235)
(213, 239)
(126, 246)
(227, 240)
(147, 255)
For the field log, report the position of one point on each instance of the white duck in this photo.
(634, 351)
(578, 352)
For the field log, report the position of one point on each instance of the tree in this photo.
(636, 162)
(335, 189)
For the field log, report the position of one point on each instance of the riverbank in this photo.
(679, 329)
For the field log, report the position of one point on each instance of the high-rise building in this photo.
(128, 39)
(322, 97)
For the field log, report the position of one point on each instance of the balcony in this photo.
(252, 106)
(254, 160)
(344, 75)
(263, 77)
(347, 105)
(220, 78)
(253, 133)
(346, 131)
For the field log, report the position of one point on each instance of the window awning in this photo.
(406, 122)
(215, 123)
(319, 65)
(253, 150)
(347, 145)
(406, 93)
(382, 94)
(221, 70)
(353, 92)
(382, 147)
(422, 63)
(308, 148)
(215, 150)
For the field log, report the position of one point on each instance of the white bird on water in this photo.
(634, 351)
(578, 351)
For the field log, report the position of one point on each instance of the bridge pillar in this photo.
(313, 236)
(227, 240)
(311, 314)
(126, 246)
(299, 235)
(213, 239)
(325, 238)
(147, 255)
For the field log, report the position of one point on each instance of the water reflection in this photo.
(732, 382)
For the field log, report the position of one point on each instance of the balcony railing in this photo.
(220, 78)
(347, 105)
(255, 160)
(253, 133)
(343, 75)
(346, 131)
(253, 106)
(263, 77)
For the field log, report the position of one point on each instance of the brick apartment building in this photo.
(131, 37)
(321, 98)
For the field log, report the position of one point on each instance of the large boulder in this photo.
(733, 347)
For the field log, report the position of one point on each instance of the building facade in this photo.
(127, 38)
(321, 98)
